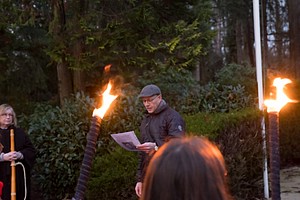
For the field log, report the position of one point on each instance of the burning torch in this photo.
(92, 136)
(273, 109)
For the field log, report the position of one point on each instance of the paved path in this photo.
(290, 183)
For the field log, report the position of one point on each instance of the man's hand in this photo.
(147, 147)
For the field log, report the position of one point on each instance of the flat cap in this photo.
(149, 90)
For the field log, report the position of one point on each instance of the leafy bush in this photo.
(205, 124)
(213, 98)
(59, 136)
(241, 145)
(234, 75)
(176, 85)
(211, 124)
(223, 98)
(236, 133)
(113, 176)
(191, 98)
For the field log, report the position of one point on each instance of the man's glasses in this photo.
(150, 100)
(6, 115)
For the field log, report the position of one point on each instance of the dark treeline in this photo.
(52, 49)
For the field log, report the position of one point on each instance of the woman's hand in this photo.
(11, 156)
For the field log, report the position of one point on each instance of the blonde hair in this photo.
(4, 108)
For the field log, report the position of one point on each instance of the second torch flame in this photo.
(107, 100)
(281, 98)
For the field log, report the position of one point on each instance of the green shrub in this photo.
(211, 124)
(235, 74)
(178, 87)
(113, 176)
(204, 124)
(241, 146)
(237, 134)
(223, 98)
(191, 98)
(59, 136)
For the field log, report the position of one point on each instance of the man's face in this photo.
(151, 103)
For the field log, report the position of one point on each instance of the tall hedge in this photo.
(237, 134)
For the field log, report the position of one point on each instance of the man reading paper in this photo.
(160, 124)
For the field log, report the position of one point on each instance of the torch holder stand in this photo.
(274, 154)
(89, 153)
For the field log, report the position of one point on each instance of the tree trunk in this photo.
(196, 72)
(265, 48)
(64, 82)
(294, 33)
(63, 73)
(79, 80)
(249, 40)
(278, 35)
(78, 75)
(239, 41)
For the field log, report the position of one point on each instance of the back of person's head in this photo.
(190, 168)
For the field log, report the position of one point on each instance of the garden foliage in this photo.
(235, 74)
(241, 145)
(60, 135)
(191, 98)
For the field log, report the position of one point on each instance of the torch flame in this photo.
(107, 100)
(281, 98)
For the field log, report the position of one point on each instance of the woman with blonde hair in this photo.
(24, 154)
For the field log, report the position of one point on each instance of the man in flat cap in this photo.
(160, 124)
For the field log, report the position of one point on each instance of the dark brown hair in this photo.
(189, 168)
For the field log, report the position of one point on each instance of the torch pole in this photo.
(13, 166)
(274, 154)
(89, 153)
(259, 77)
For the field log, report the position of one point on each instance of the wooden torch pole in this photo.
(13, 169)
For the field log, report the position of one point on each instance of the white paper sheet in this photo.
(127, 140)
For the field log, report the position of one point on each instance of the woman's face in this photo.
(6, 118)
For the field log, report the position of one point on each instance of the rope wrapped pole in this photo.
(13, 167)
(89, 153)
(274, 154)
